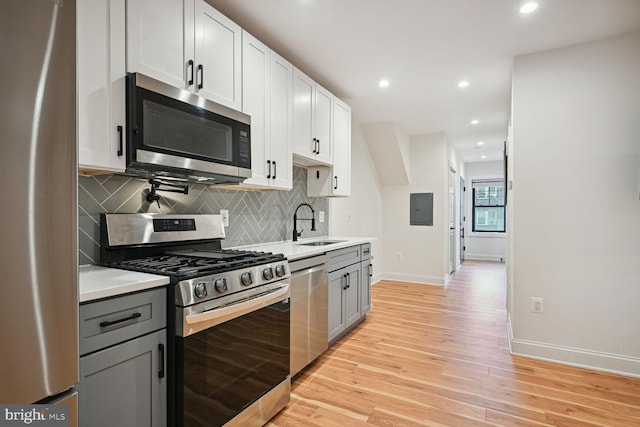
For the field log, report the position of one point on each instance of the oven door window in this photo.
(225, 368)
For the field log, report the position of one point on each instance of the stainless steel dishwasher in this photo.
(309, 310)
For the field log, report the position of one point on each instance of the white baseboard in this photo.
(599, 361)
(414, 278)
(479, 257)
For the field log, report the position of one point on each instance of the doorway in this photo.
(463, 190)
(452, 220)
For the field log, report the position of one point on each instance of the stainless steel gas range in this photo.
(229, 327)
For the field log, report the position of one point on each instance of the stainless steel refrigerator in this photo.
(38, 203)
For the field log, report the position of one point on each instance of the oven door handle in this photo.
(197, 322)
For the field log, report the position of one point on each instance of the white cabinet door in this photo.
(218, 50)
(303, 93)
(335, 180)
(323, 125)
(255, 102)
(160, 39)
(101, 85)
(281, 129)
(341, 185)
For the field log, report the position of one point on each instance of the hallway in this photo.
(430, 355)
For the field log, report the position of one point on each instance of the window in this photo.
(488, 205)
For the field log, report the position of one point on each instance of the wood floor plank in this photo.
(439, 356)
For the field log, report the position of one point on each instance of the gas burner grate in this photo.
(203, 262)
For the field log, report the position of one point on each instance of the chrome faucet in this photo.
(296, 219)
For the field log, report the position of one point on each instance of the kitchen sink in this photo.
(321, 243)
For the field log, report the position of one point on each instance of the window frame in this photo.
(497, 182)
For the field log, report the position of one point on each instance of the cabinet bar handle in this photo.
(269, 165)
(370, 270)
(108, 323)
(119, 129)
(201, 72)
(344, 278)
(161, 351)
(318, 150)
(275, 169)
(314, 146)
(335, 187)
(190, 66)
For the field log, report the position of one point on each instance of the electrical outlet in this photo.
(321, 216)
(225, 217)
(537, 305)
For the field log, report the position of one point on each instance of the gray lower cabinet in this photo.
(365, 286)
(349, 288)
(123, 360)
(366, 267)
(344, 299)
(125, 385)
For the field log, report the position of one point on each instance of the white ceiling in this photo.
(424, 47)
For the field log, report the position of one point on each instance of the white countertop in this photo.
(294, 250)
(97, 282)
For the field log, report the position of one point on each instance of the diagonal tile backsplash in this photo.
(254, 216)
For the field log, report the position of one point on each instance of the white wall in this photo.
(418, 253)
(576, 213)
(361, 214)
(482, 246)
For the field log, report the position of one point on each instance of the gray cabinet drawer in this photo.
(108, 322)
(343, 257)
(366, 251)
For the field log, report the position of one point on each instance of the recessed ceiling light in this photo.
(483, 157)
(528, 7)
(383, 83)
(463, 83)
(475, 121)
(480, 143)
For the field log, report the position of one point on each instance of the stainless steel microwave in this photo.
(173, 133)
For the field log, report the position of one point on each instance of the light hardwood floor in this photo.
(429, 355)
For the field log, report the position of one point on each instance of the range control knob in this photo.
(267, 273)
(200, 290)
(245, 279)
(221, 285)
(280, 270)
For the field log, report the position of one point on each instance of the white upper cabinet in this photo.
(101, 86)
(342, 149)
(281, 132)
(255, 102)
(312, 121)
(323, 125)
(160, 39)
(218, 56)
(187, 44)
(267, 98)
(335, 181)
